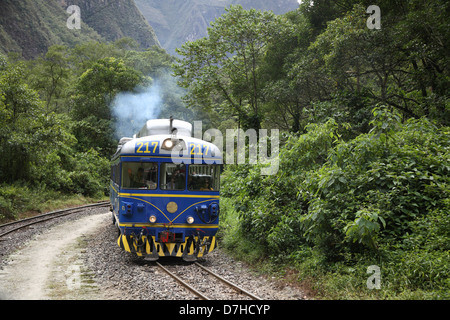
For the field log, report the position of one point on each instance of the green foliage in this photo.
(269, 206)
(372, 179)
(11, 198)
(382, 194)
(317, 62)
(365, 227)
(20, 106)
(104, 79)
(50, 77)
(20, 201)
(91, 174)
(96, 90)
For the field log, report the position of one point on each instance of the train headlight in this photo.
(168, 144)
(190, 220)
(152, 219)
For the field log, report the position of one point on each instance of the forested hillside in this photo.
(363, 180)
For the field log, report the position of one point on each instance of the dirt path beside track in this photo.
(48, 266)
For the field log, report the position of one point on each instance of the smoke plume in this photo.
(132, 109)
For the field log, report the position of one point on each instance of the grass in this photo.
(70, 279)
(18, 202)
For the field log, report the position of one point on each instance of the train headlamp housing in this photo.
(173, 143)
(152, 219)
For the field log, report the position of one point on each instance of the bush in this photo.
(269, 207)
(90, 174)
(383, 194)
(11, 198)
(389, 177)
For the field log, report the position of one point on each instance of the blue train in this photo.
(164, 192)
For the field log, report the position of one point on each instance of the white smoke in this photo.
(132, 109)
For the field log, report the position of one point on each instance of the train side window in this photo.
(173, 176)
(115, 174)
(139, 175)
(204, 177)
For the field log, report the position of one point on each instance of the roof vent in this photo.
(165, 126)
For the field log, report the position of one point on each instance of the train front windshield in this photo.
(144, 175)
(204, 177)
(139, 175)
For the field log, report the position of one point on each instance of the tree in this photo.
(221, 70)
(96, 90)
(425, 45)
(397, 65)
(31, 140)
(50, 76)
(103, 81)
(292, 74)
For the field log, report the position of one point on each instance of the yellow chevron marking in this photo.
(160, 251)
(213, 243)
(125, 243)
(179, 253)
(147, 246)
(170, 247)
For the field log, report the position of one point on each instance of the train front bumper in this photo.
(191, 249)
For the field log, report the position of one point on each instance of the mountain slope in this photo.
(178, 21)
(31, 26)
(115, 19)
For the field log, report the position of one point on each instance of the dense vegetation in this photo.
(57, 126)
(340, 205)
(364, 113)
(364, 165)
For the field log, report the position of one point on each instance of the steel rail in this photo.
(183, 283)
(49, 216)
(236, 287)
(201, 295)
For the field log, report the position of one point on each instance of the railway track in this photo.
(14, 226)
(205, 273)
